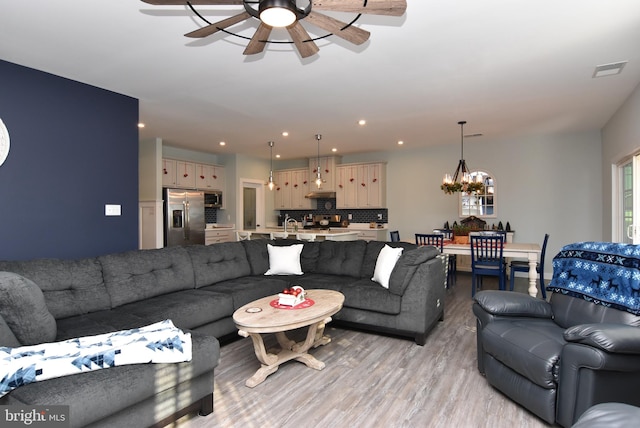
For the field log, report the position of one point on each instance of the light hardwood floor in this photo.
(370, 380)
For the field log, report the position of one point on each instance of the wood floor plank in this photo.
(370, 380)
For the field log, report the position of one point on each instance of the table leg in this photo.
(533, 276)
(291, 350)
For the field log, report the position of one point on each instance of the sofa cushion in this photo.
(309, 255)
(257, 255)
(368, 295)
(23, 308)
(385, 263)
(371, 255)
(284, 260)
(7, 338)
(96, 395)
(220, 262)
(70, 287)
(341, 257)
(407, 265)
(530, 347)
(140, 274)
(250, 288)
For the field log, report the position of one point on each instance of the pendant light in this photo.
(271, 183)
(461, 180)
(318, 176)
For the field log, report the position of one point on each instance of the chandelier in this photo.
(461, 180)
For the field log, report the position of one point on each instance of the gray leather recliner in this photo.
(557, 358)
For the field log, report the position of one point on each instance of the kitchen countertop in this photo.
(317, 232)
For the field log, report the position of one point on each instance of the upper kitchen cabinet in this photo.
(168, 173)
(185, 174)
(361, 186)
(291, 187)
(346, 190)
(210, 177)
(327, 173)
(190, 175)
(282, 191)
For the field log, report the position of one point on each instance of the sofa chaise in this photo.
(198, 288)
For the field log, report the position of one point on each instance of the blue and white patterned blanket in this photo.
(604, 273)
(161, 342)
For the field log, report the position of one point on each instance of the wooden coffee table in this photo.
(259, 317)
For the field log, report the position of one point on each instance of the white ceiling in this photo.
(509, 68)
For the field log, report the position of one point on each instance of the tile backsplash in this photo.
(358, 215)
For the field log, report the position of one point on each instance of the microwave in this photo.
(213, 199)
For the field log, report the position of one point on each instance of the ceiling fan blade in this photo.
(259, 40)
(217, 26)
(194, 2)
(374, 7)
(351, 34)
(299, 35)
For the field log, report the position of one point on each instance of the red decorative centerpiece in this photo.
(292, 296)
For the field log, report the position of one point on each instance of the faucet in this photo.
(287, 220)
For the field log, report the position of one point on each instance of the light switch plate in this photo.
(112, 210)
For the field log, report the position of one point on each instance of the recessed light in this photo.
(400, 142)
(140, 125)
(334, 149)
(285, 134)
(278, 156)
(222, 143)
(609, 69)
(362, 122)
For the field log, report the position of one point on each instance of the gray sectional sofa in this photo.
(198, 288)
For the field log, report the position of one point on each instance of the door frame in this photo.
(259, 185)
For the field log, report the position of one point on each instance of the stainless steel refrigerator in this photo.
(184, 222)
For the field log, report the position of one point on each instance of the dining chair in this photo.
(394, 235)
(243, 236)
(278, 235)
(487, 260)
(453, 259)
(523, 266)
(435, 239)
(306, 237)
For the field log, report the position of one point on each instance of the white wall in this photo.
(620, 139)
(546, 184)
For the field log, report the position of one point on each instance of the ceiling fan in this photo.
(287, 14)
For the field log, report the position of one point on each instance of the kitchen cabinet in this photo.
(210, 177)
(371, 185)
(291, 188)
(185, 174)
(282, 191)
(215, 236)
(191, 175)
(327, 173)
(299, 189)
(168, 173)
(361, 186)
(373, 235)
(346, 190)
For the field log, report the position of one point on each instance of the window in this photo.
(480, 204)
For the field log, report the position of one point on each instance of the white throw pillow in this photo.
(284, 260)
(384, 265)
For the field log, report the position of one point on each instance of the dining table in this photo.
(531, 252)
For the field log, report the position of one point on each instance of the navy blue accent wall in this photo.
(74, 148)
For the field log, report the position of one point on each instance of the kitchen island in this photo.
(320, 234)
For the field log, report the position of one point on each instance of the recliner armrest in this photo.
(508, 303)
(616, 338)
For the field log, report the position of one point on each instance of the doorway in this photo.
(251, 204)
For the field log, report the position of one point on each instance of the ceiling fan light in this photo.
(277, 13)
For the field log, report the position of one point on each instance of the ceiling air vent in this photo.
(609, 69)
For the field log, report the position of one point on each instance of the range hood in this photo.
(321, 194)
